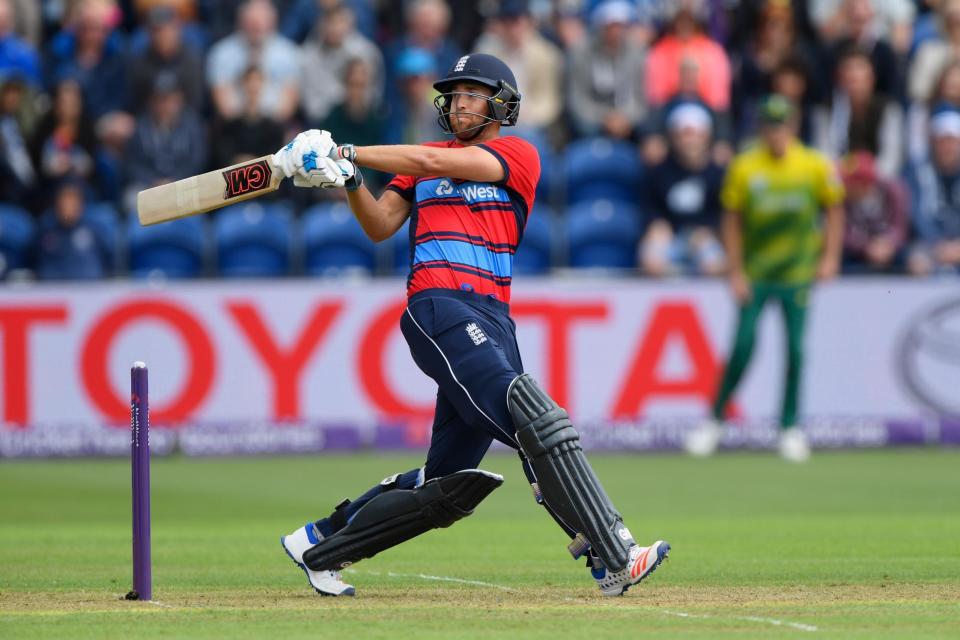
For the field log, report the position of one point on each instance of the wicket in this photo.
(140, 465)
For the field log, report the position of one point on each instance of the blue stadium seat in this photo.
(104, 220)
(547, 160)
(174, 249)
(601, 168)
(253, 240)
(603, 234)
(335, 242)
(17, 232)
(534, 255)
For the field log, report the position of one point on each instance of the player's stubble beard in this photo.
(470, 131)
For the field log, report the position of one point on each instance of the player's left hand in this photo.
(827, 269)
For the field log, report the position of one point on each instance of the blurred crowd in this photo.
(637, 106)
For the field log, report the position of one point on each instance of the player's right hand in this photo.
(741, 287)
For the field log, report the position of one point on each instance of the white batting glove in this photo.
(299, 152)
(324, 172)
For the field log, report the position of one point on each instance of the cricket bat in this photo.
(208, 191)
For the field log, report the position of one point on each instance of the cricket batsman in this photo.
(467, 199)
(773, 195)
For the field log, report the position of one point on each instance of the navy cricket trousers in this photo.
(467, 343)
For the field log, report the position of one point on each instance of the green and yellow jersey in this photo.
(780, 201)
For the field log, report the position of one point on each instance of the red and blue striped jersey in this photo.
(463, 234)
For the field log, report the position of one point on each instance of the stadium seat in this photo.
(335, 242)
(253, 240)
(603, 234)
(601, 169)
(174, 249)
(534, 254)
(104, 220)
(547, 161)
(17, 232)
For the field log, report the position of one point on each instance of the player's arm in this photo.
(380, 218)
(464, 163)
(832, 242)
(731, 232)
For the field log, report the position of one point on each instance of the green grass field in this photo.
(855, 544)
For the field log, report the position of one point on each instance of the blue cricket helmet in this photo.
(490, 72)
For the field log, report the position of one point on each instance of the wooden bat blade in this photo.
(208, 191)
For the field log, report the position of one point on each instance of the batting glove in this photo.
(348, 153)
(306, 159)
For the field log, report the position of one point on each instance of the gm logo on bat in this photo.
(247, 178)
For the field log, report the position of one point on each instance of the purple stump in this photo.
(140, 464)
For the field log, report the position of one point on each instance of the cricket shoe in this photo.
(642, 562)
(326, 583)
(704, 440)
(793, 445)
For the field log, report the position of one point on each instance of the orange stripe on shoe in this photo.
(640, 564)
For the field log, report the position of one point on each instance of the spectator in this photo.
(256, 42)
(358, 114)
(946, 91)
(331, 47)
(774, 43)
(682, 200)
(685, 40)
(251, 134)
(64, 144)
(876, 215)
(302, 16)
(16, 55)
(89, 50)
(859, 26)
(566, 27)
(169, 142)
(859, 118)
(68, 248)
(894, 20)
(936, 199)
(28, 21)
(166, 53)
(792, 80)
(606, 82)
(933, 56)
(413, 119)
(18, 178)
(536, 63)
(655, 145)
(748, 14)
(428, 23)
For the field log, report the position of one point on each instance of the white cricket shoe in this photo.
(643, 561)
(704, 440)
(326, 583)
(794, 445)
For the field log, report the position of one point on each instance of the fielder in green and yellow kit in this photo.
(773, 196)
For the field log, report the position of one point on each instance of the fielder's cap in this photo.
(513, 8)
(945, 121)
(614, 12)
(415, 61)
(775, 109)
(689, 115)
(859, 166)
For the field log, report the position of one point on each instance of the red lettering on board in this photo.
(200, 368)
(285, 366)
(15, 323)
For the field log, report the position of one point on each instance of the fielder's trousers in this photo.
(792, 300)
